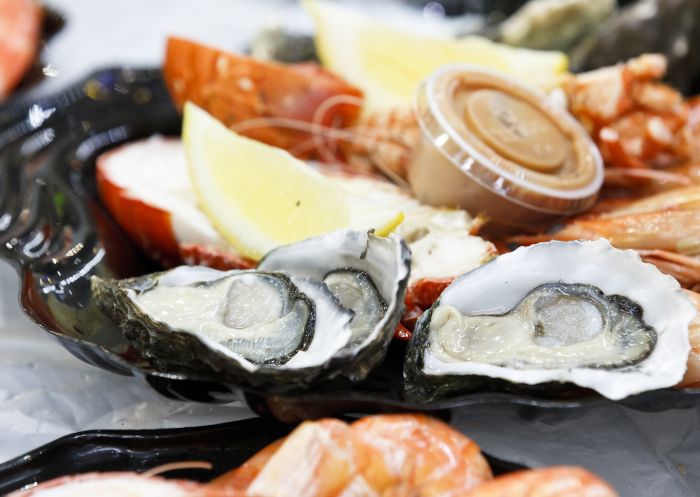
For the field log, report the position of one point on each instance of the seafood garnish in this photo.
(576, 312)
(266, 327)
(388, 63)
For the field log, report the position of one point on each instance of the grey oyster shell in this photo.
(553, 314)
(553, 24)
(315, 342)
(380, 264)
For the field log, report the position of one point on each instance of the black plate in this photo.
(225, 446)
(56, 232)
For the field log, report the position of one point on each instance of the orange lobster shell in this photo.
(237, 90)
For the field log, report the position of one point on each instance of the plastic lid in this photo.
(510, 139)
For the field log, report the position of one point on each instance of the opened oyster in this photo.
(319, 309)
(366, 274)
(572, 312)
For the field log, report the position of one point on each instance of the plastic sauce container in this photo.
(490, 145)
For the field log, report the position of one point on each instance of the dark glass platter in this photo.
(57, 234)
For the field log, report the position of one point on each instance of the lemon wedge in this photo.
(388, 63)
(260, 197)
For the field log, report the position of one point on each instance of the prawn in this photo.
(557, 481)
(664, 228)
(385, 455)
(692, 374)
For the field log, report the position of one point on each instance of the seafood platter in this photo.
(296, 231)
(332, 230)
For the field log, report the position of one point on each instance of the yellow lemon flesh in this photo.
(260, 197)
(388, 64)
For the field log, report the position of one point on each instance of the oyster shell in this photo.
(367, 274)
(267, 327)
(568, 312)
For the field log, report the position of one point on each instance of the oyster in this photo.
(282, 325)
(553, 24)
(568, 312)
(354, 266)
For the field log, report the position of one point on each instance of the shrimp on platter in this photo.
(692, 374)
(636, 121)
(664, 228)
(384, 455)
(558, 481)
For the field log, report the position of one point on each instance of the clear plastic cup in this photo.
(493, 146)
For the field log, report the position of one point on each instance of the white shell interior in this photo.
(497, 287)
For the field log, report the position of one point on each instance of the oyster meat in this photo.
(570, 312)
(319, 309)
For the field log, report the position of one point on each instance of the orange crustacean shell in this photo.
(150, 228)
(237, 90)
(20, 25)
(394, 455)
(557, 481)
(389, 455)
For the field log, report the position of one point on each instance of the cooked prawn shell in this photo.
(636, 121)
(557, 481)
(692, 374)
(417, 455)
(384, 455)
(664, 228)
